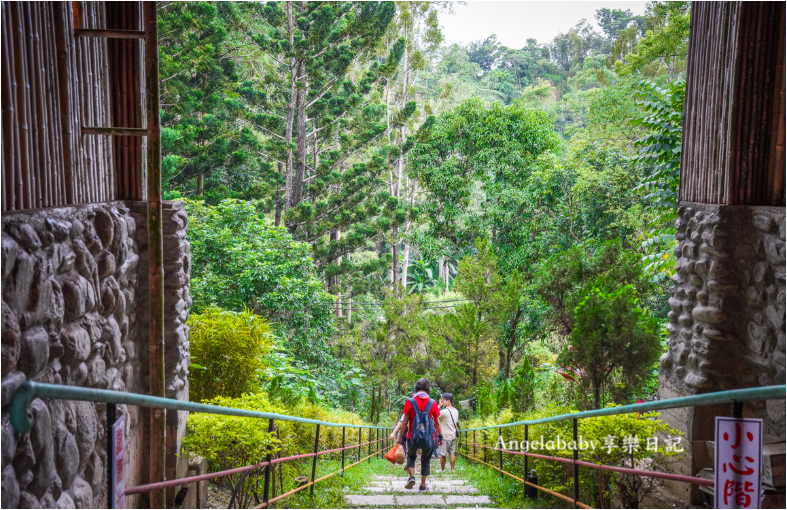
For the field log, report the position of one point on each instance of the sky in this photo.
(515, 22)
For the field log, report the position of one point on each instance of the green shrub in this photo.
(230, 441)
(227, 352)
(227, 441)
(485, 396)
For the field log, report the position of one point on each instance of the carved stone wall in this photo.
(727, 317)
(73, 306)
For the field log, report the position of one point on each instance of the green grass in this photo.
(504, 491)
(330, 493)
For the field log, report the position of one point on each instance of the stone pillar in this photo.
(177, 300)
(177, 273)
(726, 322)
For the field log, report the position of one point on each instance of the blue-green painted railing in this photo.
(22, 421)
(720, 397)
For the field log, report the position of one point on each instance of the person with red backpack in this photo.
(423, 432)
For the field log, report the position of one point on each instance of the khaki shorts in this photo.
(448, 447)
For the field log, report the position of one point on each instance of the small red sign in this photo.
(738, 458)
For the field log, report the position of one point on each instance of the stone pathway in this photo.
(446, 490)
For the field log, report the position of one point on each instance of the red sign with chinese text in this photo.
(738, 458)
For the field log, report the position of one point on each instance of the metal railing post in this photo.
(344, 431)
(737, 409)
(267, 489)
(576, 466)
(111, 416)
(314, 459)
(378, 442)
(474, 443)
(527, 441)
(360, 440)
(484, 446)
(370, 444)
(500, 431)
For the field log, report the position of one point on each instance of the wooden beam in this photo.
(114, 131)
(158, 417)
(111, 34)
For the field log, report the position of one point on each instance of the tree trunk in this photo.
(374, 402)
(290, 112)
(300, 158)
(201, 185)
(475, 364)
(395, 254)
(596, 392)
(509, 354)
(337, 280)
(405, 263)
(349, 305)
(511, 342)
(441, 268)
(278, 201)
(316, 153)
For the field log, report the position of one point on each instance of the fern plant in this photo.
(660, 152)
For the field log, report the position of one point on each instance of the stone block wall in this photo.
(74, 296)
(727, 317)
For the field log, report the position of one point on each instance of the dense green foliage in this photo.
(613, 335)
(228, 351)
(660, 151)
(240, 261)
(486, 151)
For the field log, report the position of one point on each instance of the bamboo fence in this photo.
(733, 139)
(56, 81)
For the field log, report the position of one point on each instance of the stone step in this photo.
(415, 500)
(437, 483)
(403, 478)
(433, 488)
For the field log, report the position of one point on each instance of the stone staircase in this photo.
(446, 490)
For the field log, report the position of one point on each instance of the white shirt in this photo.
(447, 424)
